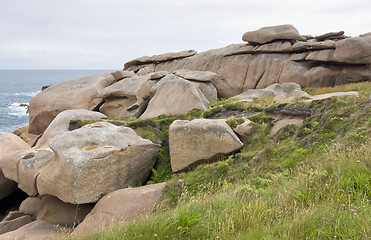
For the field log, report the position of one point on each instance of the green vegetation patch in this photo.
(308, 182)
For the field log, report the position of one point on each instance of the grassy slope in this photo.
(312, 182)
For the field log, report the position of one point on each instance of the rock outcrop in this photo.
(121, 206)
(95, 160)
(198, 141)
(282, 56)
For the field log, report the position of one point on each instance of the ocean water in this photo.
(17, 87)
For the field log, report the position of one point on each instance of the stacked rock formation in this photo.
(68, 171)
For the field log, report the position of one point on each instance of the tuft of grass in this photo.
(235, 121)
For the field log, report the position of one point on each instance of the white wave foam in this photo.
(18, 109)
(28, 94)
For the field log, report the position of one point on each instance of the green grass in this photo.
(309, 182)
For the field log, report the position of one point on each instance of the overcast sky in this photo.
(103, 34)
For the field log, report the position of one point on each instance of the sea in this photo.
(17, 87)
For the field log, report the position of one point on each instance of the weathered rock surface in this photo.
(201, 76)
(78, 93)
(159, 58)
(200, 140)
(121, 206)
(61, 124)
(278, 91)
(30, 206)
(268, 34)
(14, 224)
(95, 160)
(129, 97)
(24, 166)
(37, 230)
(175, 95)
(29, 167)
(285, 122)
(55, 211)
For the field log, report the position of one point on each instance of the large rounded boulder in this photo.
(95, 160)
(78, 93)
(198, 141)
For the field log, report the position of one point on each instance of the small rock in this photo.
(119, 75)
(285, 122)
(330, 35)
(244, 128)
